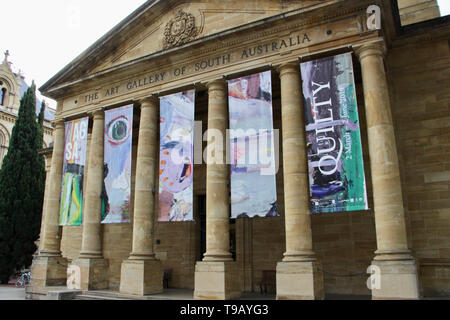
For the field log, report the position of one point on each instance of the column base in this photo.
(47, 271)
(216, 281)
(93, 273)
(398, 280)
(299, 280)
(141, 277)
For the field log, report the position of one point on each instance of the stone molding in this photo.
(358, 10)
(149, 101)
(180, 30)
(373, 48)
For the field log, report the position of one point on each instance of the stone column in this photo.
(216, 276)
(93, 266)
(142, 274)
(297, 275)
(48, 161)
(393, 258)
(49, 267)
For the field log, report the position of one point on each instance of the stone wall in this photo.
(419, 72)
(345, 243)
(413, 11)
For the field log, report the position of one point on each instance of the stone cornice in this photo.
(308, 16)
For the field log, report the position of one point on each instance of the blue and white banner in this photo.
(117, 165)
(253, 178)
(176, 157)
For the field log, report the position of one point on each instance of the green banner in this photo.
(335, 161)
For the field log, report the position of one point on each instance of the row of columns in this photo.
(216, 277)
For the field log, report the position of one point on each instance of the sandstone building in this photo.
(402, 83)
(12, 87)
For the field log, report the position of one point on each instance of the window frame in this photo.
(3, 96)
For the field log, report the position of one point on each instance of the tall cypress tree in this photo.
(40, 139)
(22, 179)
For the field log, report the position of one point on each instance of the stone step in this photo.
(168, 294)
(97, 297)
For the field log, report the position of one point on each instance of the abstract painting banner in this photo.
(117, 165)
(253, 178)
(176, 157)
(71, 206)
(335, 160)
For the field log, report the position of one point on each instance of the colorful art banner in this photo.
(117, 165)
(253, 177)
(176, 191)
(335, 160)
(71, 205)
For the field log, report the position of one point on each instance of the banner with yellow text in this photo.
(71, 206)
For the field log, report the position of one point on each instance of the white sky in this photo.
(444, 6)
(44, 36)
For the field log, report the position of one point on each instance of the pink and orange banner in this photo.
(71, 205)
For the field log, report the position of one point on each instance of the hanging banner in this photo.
(117, 165)
(176, 157)
(336, 168)
(253, 177)
(71, 206)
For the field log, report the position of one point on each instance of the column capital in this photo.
(97, 114)
(217, 84)
(150, 101)
(370, 49)
(58, 123)
(288, 67)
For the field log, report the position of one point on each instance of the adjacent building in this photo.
(12, 88)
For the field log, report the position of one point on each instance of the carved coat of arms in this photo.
(180, 30)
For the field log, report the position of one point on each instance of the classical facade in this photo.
(12, 87)
(166, 47)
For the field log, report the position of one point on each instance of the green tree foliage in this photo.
(22, 181)
(41, 114)
(40, 139)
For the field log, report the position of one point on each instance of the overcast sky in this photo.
(44, 36)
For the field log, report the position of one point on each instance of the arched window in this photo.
(3, 145)
(2, 96)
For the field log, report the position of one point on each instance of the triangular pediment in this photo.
(190, 20)
(161, 25)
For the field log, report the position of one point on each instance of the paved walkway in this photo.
(12, 293)
(177, 294)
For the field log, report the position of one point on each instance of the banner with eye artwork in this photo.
(176, 157)
(71, 205)
(117, 165)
